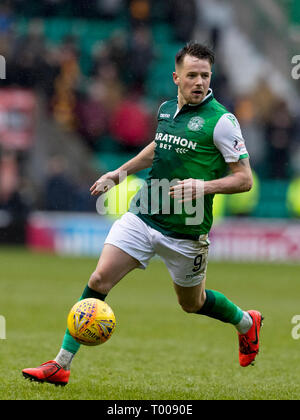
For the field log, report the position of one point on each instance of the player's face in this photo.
(192, 77)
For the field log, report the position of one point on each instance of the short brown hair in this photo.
(195, 50)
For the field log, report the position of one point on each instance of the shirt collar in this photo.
(209, 95)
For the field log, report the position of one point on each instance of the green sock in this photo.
(69, 343)
(219, 307)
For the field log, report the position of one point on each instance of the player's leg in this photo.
(187, 264)
(112, 266)
(127, 246)
(191, 299)
(198, 300)
(186, 261)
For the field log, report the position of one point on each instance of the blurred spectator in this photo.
(130, 124)
(11, 200)
(24, 65)
(54, 7)
(31, 62)
(8, 175)
(101, 56)
(215, 16)
(6, 18)
(140, 56)
(139, 11)
(117, 52)
(183, 18)
(160, 11)
(104, 9)
(221, 88)
(279, 132)
(263, 99)
(82, 8)
(252, 129)
(60, 190)
(64, 100)
(295, 147)
(106, 86)
(91, 118)
(109, 9)
(49, 71)
(62, 193)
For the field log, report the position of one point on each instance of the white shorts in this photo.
(185, 259)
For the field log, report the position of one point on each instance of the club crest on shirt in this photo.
(196, 123)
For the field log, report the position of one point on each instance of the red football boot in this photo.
(249, 342)
(50, 372)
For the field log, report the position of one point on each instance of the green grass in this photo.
(157, 351)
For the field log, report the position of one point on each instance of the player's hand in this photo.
(187, 190)
(105, 183)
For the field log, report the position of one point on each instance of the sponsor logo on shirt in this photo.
(176, 140)
(238, 145)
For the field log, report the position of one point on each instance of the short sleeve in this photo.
(229, 140)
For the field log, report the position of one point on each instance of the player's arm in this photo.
(229, 141)
(239, 180)
(141, 161)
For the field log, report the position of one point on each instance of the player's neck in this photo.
(181, 101)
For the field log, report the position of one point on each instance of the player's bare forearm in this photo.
(238, 181)
(141, 161)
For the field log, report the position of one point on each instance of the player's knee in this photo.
(99, 282)
(192, 306)
(190, 309)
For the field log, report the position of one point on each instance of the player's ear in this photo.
(175, 78)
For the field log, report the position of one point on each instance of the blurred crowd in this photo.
(108, 104)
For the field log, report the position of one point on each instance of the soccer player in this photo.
(197, 141)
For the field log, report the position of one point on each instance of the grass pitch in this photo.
(157, 352)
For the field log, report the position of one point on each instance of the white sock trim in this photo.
(245, 323)
(64, 358)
